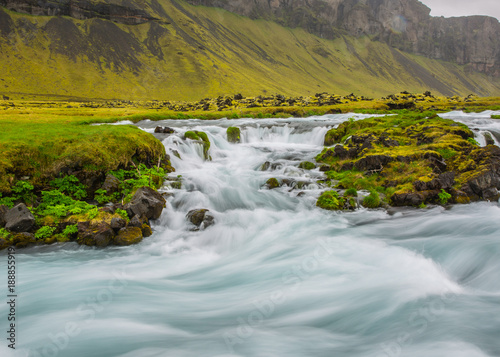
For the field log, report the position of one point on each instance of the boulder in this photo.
(111, 184)
(272, 183)
(128, 236)
(200, 218)
(3, 211)
(19, 219)
(146, 202)
(98, 234)
(137, 221)
(489, 139)
(146, 230)
(407, 199)
(117, 223)
(23, 239)
(373, 162)
(233, 134)
(164, 130)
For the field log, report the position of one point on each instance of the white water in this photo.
(275, 276)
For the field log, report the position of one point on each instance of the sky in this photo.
(449, 8)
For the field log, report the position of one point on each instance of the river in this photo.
(275, 275)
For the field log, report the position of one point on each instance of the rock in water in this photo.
(147, 202)
(19, 219)
(233, 134)
(164, 130)
(100, 234)
(128, 236)
(201, 218)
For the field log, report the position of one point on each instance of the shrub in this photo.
(330, 200)
(45, 232)
(4, 234)
(372, 200)
(70, 185)
(444, 197)
(70, 231)
(122, 213)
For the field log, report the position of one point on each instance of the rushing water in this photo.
(275, 276)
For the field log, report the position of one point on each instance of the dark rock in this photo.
(201, 218)
(146, 230)
(23, 239)
(407, 199)
(138, 221)
(107, 209)
(373, 162)
(265, 166)
(4, 244)
(436, 164)
(446, 180)
(147, 202)
(128, 236)
(111, 184)
(164, 130)
(98, 234)
(325, 168)
(117, 223)
(489, 139)
(483, 184)
(19, 219)
(387, 142)
(3, 211)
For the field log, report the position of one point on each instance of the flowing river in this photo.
(275, 275)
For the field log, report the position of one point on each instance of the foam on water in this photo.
(275, 275)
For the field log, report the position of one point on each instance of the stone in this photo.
(111, 184)
(146, 202)
(98, 234)
(233, 134)
(146, 230)
(19, 219)
(138, 221)
(407, 199)
(200, 218)
(128, 236)
(164, 130)
(3, 211)
(117, 223)
(372, 162)
(23, 239)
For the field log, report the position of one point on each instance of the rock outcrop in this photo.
(19, 219)
(146, 202)
(406, 25)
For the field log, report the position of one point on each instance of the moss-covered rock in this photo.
(372, 200)
(307, 165)
(128, 236)
(202, 138)
(272, 183)
(330, 200)
(233, 134)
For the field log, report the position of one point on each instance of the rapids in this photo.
(275, 275)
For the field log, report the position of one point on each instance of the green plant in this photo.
(330, 200)
(473, 141)
(70, 185)
(23, 190)
(4, 234)
(45, 232)
(447, 153)
(372, 200)
(70, 230)
(7, 201)
(351, 192)
(307, 165)
(122, 213)
(444, 197)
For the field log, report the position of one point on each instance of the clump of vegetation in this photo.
(4, 234)
(372, 200)
(44, 232)
(351, 192)
(330, 200)
(444, 197)
(307, 165)
(70, 185)
(473, 141)
(70, 231)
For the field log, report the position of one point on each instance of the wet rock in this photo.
(146, 230)
(233, 134)
(272, 183)
(138, 221)
(307, 165)
(489, 139)
(95, 234)
(164, 130)
(3, 211)
(438, 165)
(111, 184)
(265, 166)
(23, 239)
(446, 180)
(146, 202)
(4, 244)
(117, 223)
(128, 236)
(19, 219)
(484, 185)
(200, 218)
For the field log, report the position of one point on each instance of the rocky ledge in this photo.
(408, 160)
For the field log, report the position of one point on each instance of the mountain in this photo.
(171, 49)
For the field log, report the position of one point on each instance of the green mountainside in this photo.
(185, 52)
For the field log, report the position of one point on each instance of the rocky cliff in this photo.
(403, 24)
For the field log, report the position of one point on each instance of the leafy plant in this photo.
(351, 192)
(45, 232)
(7, 201)
(372, 200)
(4, 234)
(330, 200)
(444, 197)
(70, 185)
(70, 230)
(23, 190)
(122, 213)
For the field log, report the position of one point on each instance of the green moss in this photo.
(351, 192)
(330, 200)
(307, 165)
(272, 183)
(203, 138)
(44, 232)
(233, 134)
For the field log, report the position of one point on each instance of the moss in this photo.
(351, 192)
(307, 165)
(330, 200)
(272, 183)
(233, 134)
(201, 137)
(372, 200)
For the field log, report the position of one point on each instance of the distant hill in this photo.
(169, 49)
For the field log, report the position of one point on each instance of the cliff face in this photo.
(403, 24)
(129, 14)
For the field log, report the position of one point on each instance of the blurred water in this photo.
(275, 276)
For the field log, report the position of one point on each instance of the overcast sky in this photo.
(448, 8)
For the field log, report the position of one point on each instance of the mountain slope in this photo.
(184, 52)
